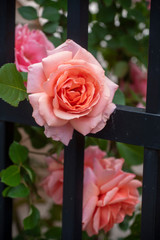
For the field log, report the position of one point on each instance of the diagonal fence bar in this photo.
(77, 30)
(151, 171)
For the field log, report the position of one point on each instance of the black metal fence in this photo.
(127, 124)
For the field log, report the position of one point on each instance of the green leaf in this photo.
(5, 191)
(12, 89)
(30, 173)
(119, 97)
(108, 2)
(55, 41)
(125, 224)
(135, 229)
(28, 12)
(132, 154)
(53, 233)
(51, 14)
(19, 191)
(18, 153)
(33, 219)
(40, 2)
(50, 27)
(11, 176)
(125, 4)
(24, 76)
(121, 69)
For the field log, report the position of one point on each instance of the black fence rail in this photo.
(127, 124)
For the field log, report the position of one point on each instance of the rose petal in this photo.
(88, 211)
(85, 125)
(63, 133)
(34, 101)
(36, 78)
(68, 45)
(106, 98)
(46, 111)
(105, 116)
(96, 220)
(89, 187)
(51, 63)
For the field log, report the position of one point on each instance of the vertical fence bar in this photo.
(7, 29)
(151, 172)
(74, 153)
(6, 136)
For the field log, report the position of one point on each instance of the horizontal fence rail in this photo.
(127, 124)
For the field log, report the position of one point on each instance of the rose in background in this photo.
(53, 183)
(139, 80)
(30, 47)
(109, 194)
(68, 90)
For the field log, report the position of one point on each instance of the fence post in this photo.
(77, 30)
(6, 136)
(151, 172)
(7, 29)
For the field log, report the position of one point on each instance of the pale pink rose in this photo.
(70, 91)
(139, 80)
(30, 47)
(109, 194)
(53, 183)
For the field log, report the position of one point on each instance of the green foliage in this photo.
(33, 219)
(11, 176)
(12, 89)
(20, 191)
(53, 233)
(119, 97)
(30, 173)
(18, 153)
(91, 141)
(121, 69)
(28, 12)
(132, 154)
(51, 14)
(50, 27)
(135, 229)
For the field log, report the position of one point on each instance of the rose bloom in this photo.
(53, 183)
(68, 90)
(139, 80)
(30, 47)
(109, 194)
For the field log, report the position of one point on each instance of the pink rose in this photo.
(109, 194)
(139, 80)
(30, 47)
(70, 91)
(53, 184)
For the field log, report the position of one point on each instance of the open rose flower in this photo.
(30, 47)
(109, 194)
(68, 90)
